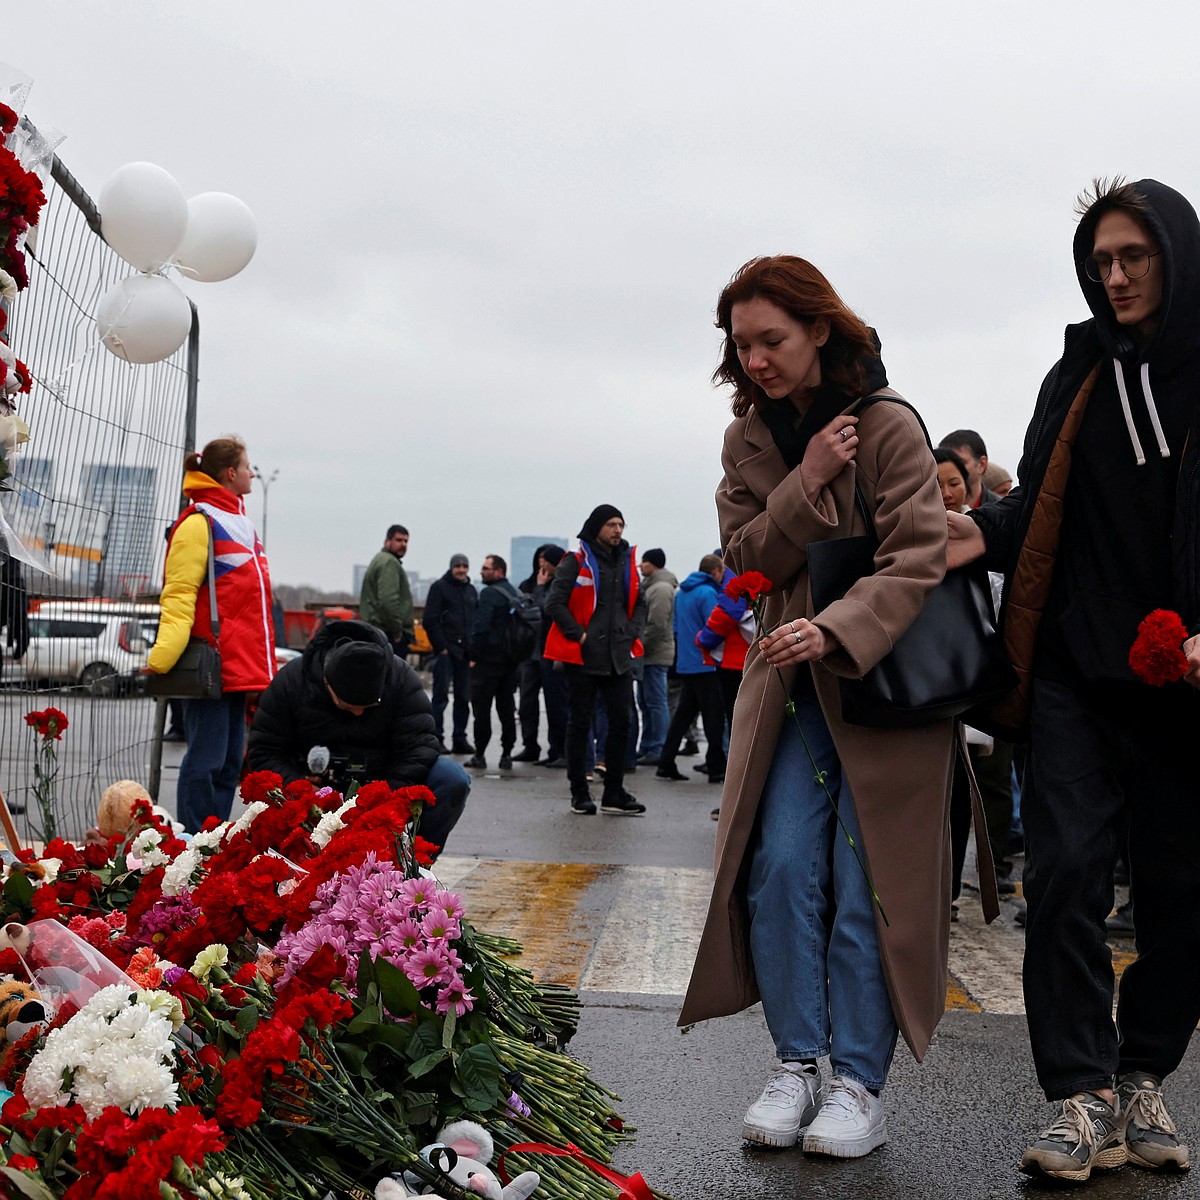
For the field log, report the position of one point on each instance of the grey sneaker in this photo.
(1088, 1134)
(1150, 1135)
(851, 1122)
(787, 1105)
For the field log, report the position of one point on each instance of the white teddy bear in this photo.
(470, 1149)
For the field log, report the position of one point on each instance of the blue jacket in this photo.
(697, 595)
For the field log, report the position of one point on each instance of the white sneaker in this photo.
(850, 1124)
(787, 1104)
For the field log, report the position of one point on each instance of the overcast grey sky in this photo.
(491, 237)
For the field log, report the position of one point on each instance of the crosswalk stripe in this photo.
(607, 928)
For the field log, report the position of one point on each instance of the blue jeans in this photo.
(812, 920)
(212, 763)
(449, 784)
(447, 669)
(656, 716)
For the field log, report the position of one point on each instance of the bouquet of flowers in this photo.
(287, 1005)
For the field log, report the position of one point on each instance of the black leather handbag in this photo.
(197, 673)
(949, 660)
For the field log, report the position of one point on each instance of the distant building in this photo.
(522, 550)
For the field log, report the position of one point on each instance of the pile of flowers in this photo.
(284, 1005)
(21, 202)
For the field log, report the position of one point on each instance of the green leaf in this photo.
(478, 1072)
(448, 1031)
(424, 1065)
(396, 990)
(247, 1019)
(426, 1038)
(18, 889)
(27, 1185)
(366, 1019)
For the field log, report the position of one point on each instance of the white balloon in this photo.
(143, 319)
(220, 240)
(143, 214)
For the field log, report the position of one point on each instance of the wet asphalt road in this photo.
(957, 1123)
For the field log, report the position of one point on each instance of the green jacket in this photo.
(386, 599)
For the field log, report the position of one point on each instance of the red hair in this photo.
(800, 290)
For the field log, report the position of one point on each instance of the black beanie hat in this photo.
(552, 553)
(601, 515)
(655, 558)
(357, 671)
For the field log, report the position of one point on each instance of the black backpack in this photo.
(521, 631)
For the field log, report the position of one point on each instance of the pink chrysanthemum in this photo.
(455, 996)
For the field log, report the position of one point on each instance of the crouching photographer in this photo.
(348, 711)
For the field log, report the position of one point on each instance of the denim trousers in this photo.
(448, 671)
(1109, 769)
(656, 716)
(450, 785)
(212, 763)
(812, 921)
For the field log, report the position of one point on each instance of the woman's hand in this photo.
(965, 542)
(827, 453)
(796, 642)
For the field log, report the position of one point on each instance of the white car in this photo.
(96, 644)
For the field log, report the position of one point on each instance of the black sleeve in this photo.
(435, 609)
(272, 744)
(560, 593)
(412, 742)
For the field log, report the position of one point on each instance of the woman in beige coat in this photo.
(792, 920)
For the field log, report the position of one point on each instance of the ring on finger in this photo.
(799, 637)
(845, 433)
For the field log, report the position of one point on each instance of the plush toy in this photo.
(462, 1152)
(21, 1009)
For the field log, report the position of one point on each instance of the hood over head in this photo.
(1173, 222)
(336, 634)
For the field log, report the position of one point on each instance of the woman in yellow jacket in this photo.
(215, 482)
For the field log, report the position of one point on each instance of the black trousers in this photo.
(699, 694)
(529, 676)
(490, 683)
(582, 690)
(1103, 765)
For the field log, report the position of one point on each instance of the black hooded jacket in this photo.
(449, 614)
(394, 741)
(1129, 529)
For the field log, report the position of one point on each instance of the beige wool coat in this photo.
(900, 779)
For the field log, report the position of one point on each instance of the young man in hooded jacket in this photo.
(1105, 528)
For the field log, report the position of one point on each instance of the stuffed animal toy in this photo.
(462, 1151)
(21, 1009)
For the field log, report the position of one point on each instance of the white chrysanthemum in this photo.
(247, 818)
(211, 956)
(136, 1083)
(178, 874)
(221, 1187)
(43, 1084)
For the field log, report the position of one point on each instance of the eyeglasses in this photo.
(1133, 265)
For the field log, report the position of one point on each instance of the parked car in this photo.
(96, 644)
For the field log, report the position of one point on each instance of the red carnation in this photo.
(749, 584)
(1156, 655)
(8, 119)
(49, 723)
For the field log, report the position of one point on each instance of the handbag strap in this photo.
(866, 402)
(214, 619)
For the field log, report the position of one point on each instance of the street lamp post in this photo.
(266, 481)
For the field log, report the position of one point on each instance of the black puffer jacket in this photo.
(394, 741)
(1129, 531)
(449, 613)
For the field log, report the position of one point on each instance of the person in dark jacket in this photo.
(553, 679)
(598, 614)
(529, 678)
(351, 694)
(449, 613)
(493, 672)
(1103, 529)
